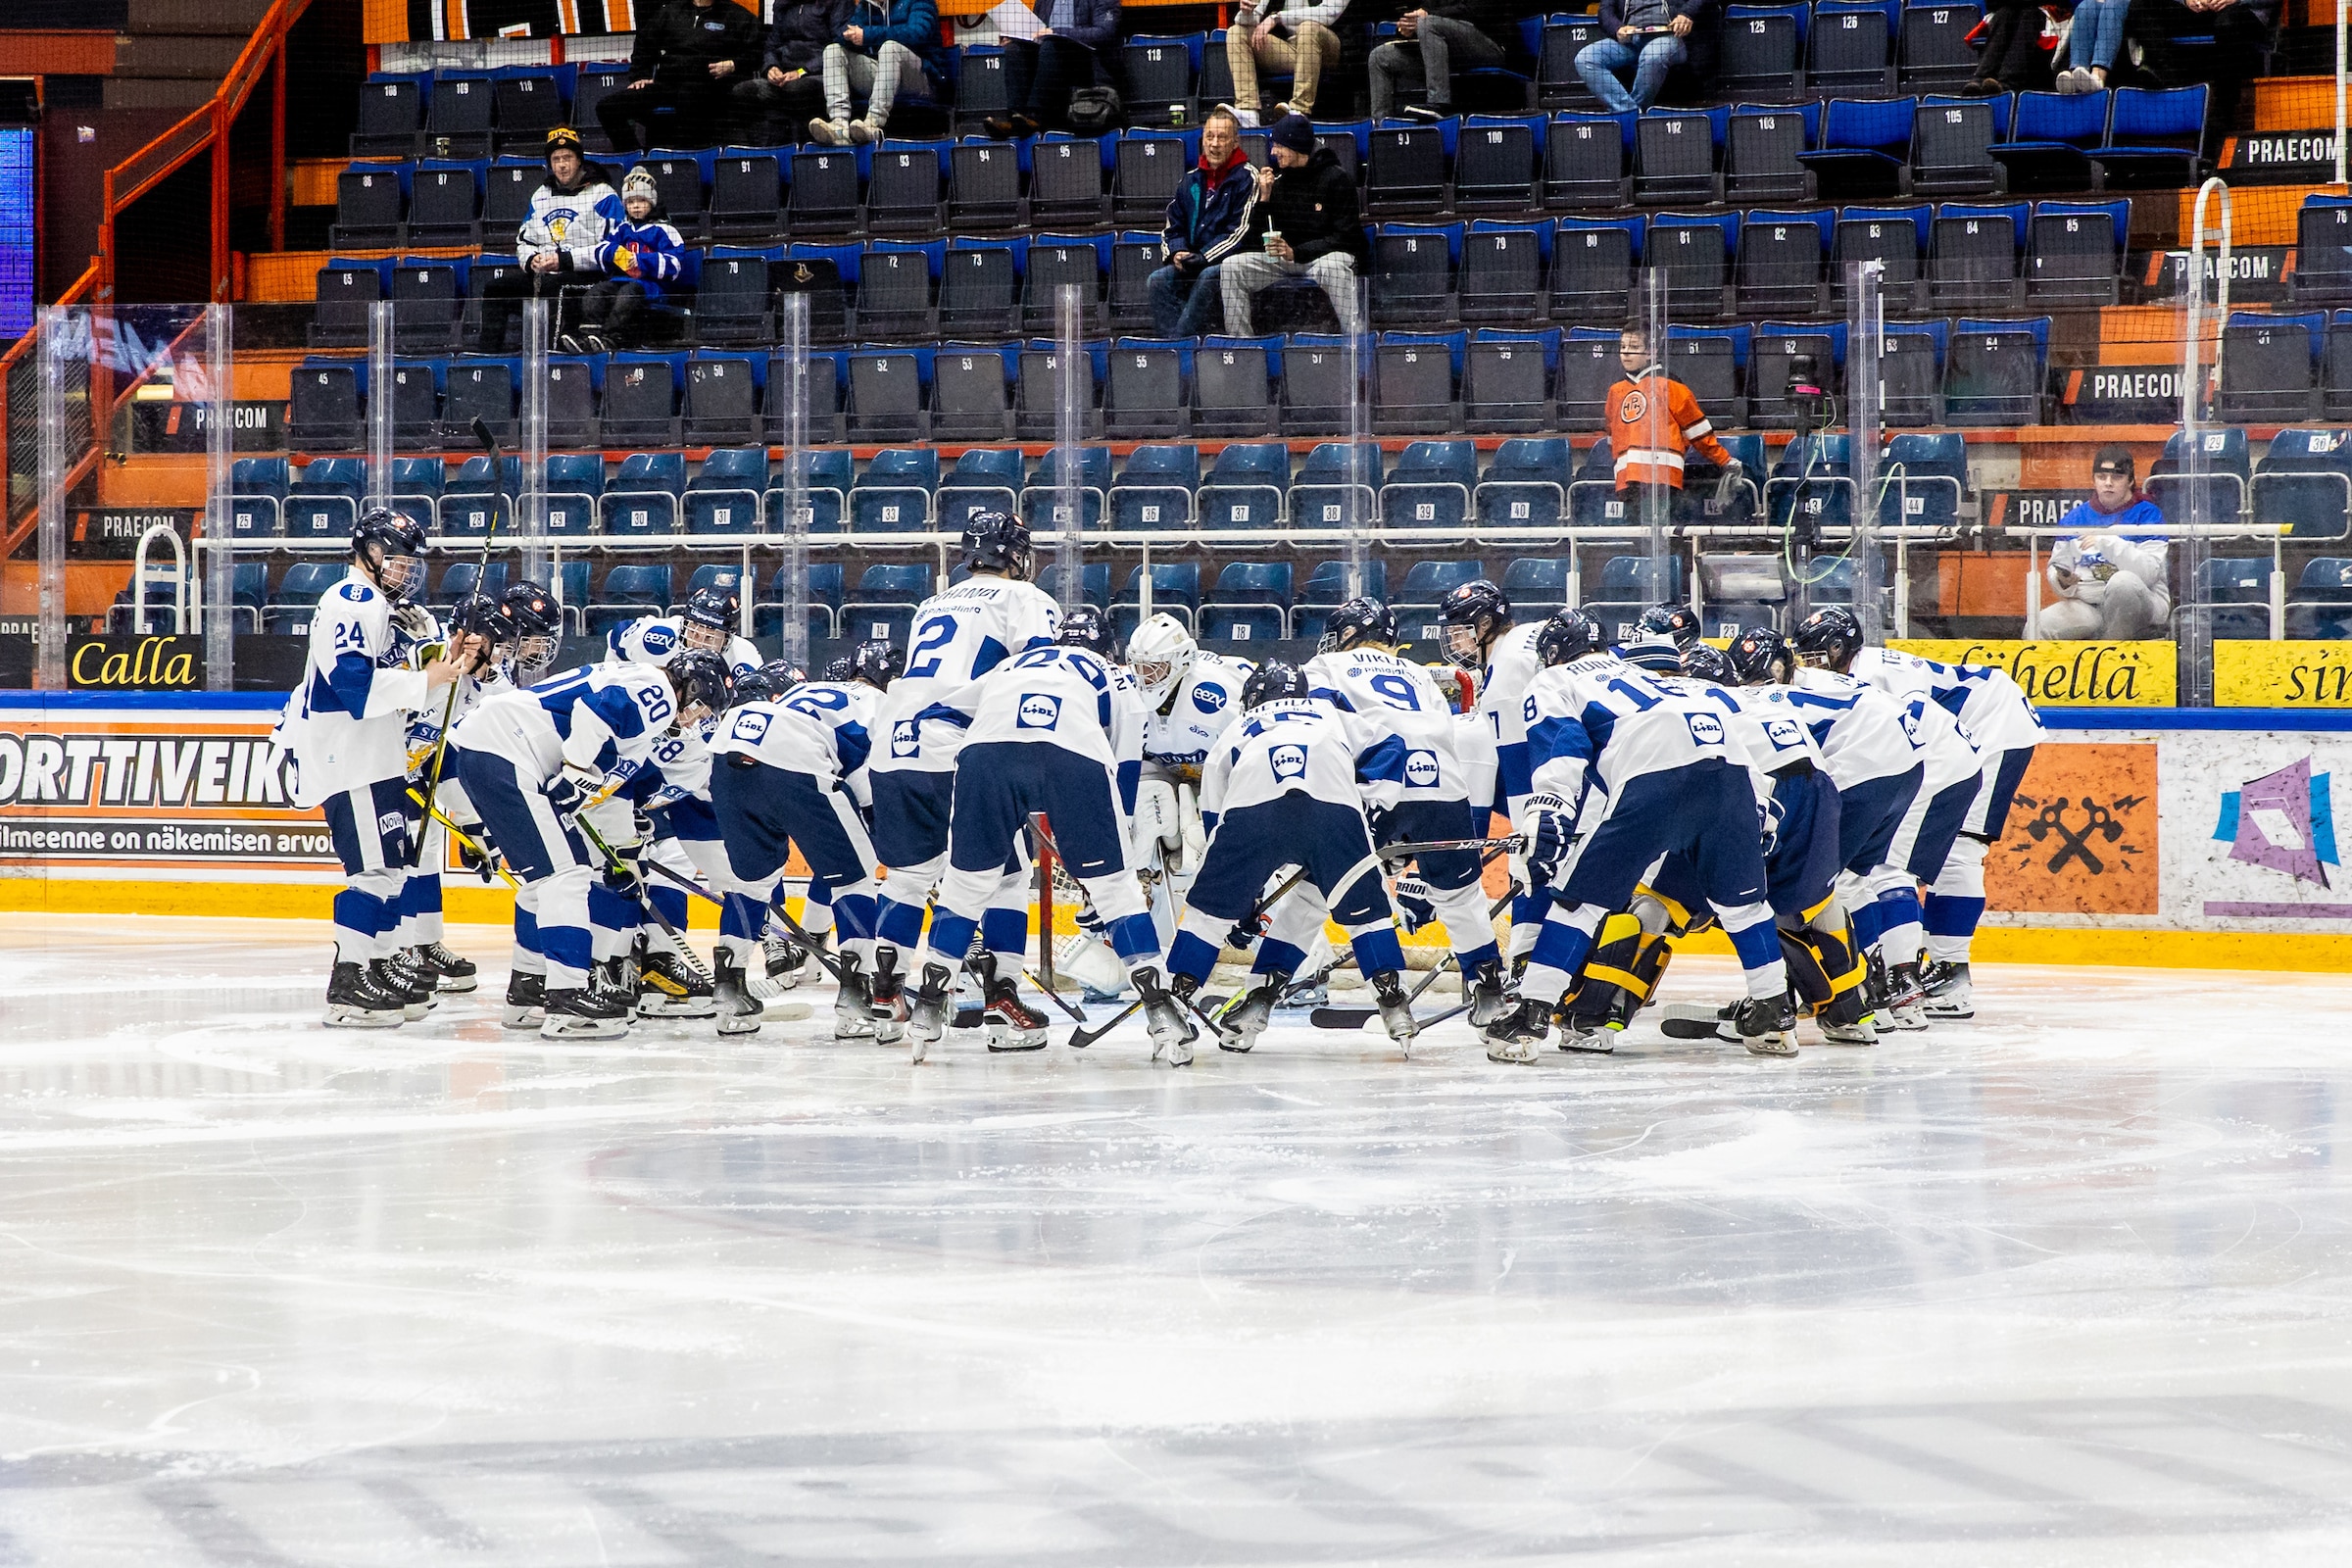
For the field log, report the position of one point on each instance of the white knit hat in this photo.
(640, 182)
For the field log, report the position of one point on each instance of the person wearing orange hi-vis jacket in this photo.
(1654, 420)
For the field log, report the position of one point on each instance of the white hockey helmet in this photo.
(1162, 653)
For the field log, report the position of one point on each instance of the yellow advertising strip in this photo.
(2305, 952)
(2070, 674)
(2282, 674)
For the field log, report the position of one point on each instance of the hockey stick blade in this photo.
(1082, 1038)
(1688, 1021)
(1055, 997)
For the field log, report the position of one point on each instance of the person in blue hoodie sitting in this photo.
(637, 256)
(872, 59)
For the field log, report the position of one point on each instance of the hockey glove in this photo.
(473, 854)
(1414, 905)
(564, 793)
(1551, 834)
(621, 874)
(1768, 824)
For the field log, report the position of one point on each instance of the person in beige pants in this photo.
(1284, 35)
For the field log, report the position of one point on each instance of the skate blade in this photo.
(587, 1029)
(1004, 1042)
(1769, 1046)
(457, 985)
(1511, 1053)
(364, 1018)
(1589, 1045)
(675, 1008)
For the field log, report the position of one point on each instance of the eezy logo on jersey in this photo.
(903, 739)
(1288, 762)
(751, 726)
(659, 640)
(355, 592)
(1705, 728)
(1209, 699)
(1782, 733)
(1421, 770)
(1038, 710)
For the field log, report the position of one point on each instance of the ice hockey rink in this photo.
(2068, 1284)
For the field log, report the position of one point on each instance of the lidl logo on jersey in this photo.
(1040, 710)
(904, 741)
(1421, 770)
(1783, 733)
(1288, 762)
(1705, 728)
(1209, 699)
(751, 726)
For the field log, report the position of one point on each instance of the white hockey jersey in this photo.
(822, 729)
(571, 224)
(958, 637)
(1988, 703)
(1402, 726)
(1295, 746)
(601, 720)
(1065, 697)
(1764, 733)
(1597, 719)
(346, 725)
(656, 639)
(1860, 729)
(1513, 666)
(1208, 699)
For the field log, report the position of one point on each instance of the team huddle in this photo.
(1801, 793)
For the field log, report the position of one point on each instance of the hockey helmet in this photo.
(1359, 621)
(995, 541)
(710, 618)
(1475, 613)
(1162, 653)
(1708, 662)
(878, 662)
(1677, 624)
(538, 630)
(1087, 627)
(1655, 653)
(1829, 637)
(1570, 634)
(398, 561)
(841, 667)
(771, 679)
(1271, 682)
(1760, 656)
(703, 684)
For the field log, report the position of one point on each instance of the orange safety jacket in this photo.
(1684, 425)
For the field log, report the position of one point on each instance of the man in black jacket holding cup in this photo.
(1305, 225)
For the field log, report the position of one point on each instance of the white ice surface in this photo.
(2069, 1285)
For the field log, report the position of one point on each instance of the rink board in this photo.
(2158, 836)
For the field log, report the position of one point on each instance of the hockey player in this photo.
(790, 769)
(1053, 733)
(1997, 716)
(1414, 785)
(1666, 784)
(479, 625)
(1676, 623)
(533, 763)
(958, 636)
(533, 633)
(1279, 790)
(1189, 698)
(708, 623)
(346, 727)
(1481, 638)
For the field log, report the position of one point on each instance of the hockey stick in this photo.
(1320, 976)
(1339, 1017)
(433, 814)
(1508, 844)
(645, 900)
(777, 910)
(481, 571)
(1045, 832)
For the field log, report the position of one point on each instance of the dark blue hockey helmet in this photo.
(1760, 656)
(701, 679)
(1708, 662)
(1359, 621)
(841, 667)
(391, 547)
(710, 618)
(771, 680)
(997, 541)
(1085, 626)
(1677, 624)
(1475, 613)
(877, 661)
(1271, 682)
(1829, 637)
(538, 630)
(1570, 634)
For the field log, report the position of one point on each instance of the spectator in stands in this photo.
(2110, 585)
(1042, 73)
(872, 57)
(570, 213)
(2167, 33)
(1255, 38)
(1206, 218)
(2016, 55)
(1305, 225)
(772, 107)
(637, 256)
(1649, 38)
(1653, 423)
(1434, 40)
(2093, 43)
(688, 57)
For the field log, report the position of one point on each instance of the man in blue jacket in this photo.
(1208, 217)
(871, 59)
(1040, 74)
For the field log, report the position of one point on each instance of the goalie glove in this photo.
(1416, 905)
(1550, 831)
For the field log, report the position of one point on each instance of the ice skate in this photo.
(1486, 994)
(852, 1020)
(613, 985)
(1907, 999)
(1171, 1028)
(1767, 1025)
(456, 973)
(788, 962)
(1245, 1016)
(738, 1009)
(927, 1014)
(668, 989)
(1862, 1032)
(1396, 1008)
(1515, 1034)
(397, 979)
(580, 1015)
(1011, 1023)
(1587, 1036)
(354, 1000)
(1947, 989)
(886, 991)
(527, 1001)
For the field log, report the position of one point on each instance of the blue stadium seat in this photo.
(324, 501)
(628, 592)
(1536, 586)
(728, 495)
(1175, 591)
(1525, 486)
(1426, 582)
(2052, 139)
(1250, 602)
(464, 578)
(1924, 479)
(643, 498)
(894, 494)
(825, 479)
(2155, 138)
(1155, 489)
(983, 479)
(470, 499)
(2322, 605)
(893, 586)
(825, 602)
(2305, 481)
(1247, 487)
(289, 609)
(1094, 582)
(1865, 148)
(417, 484)
(2238, 590)
(1332, 486)
(1037, 496)
(1429, 488)
(1629, 585)
(2228, 470)
(256, 497)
